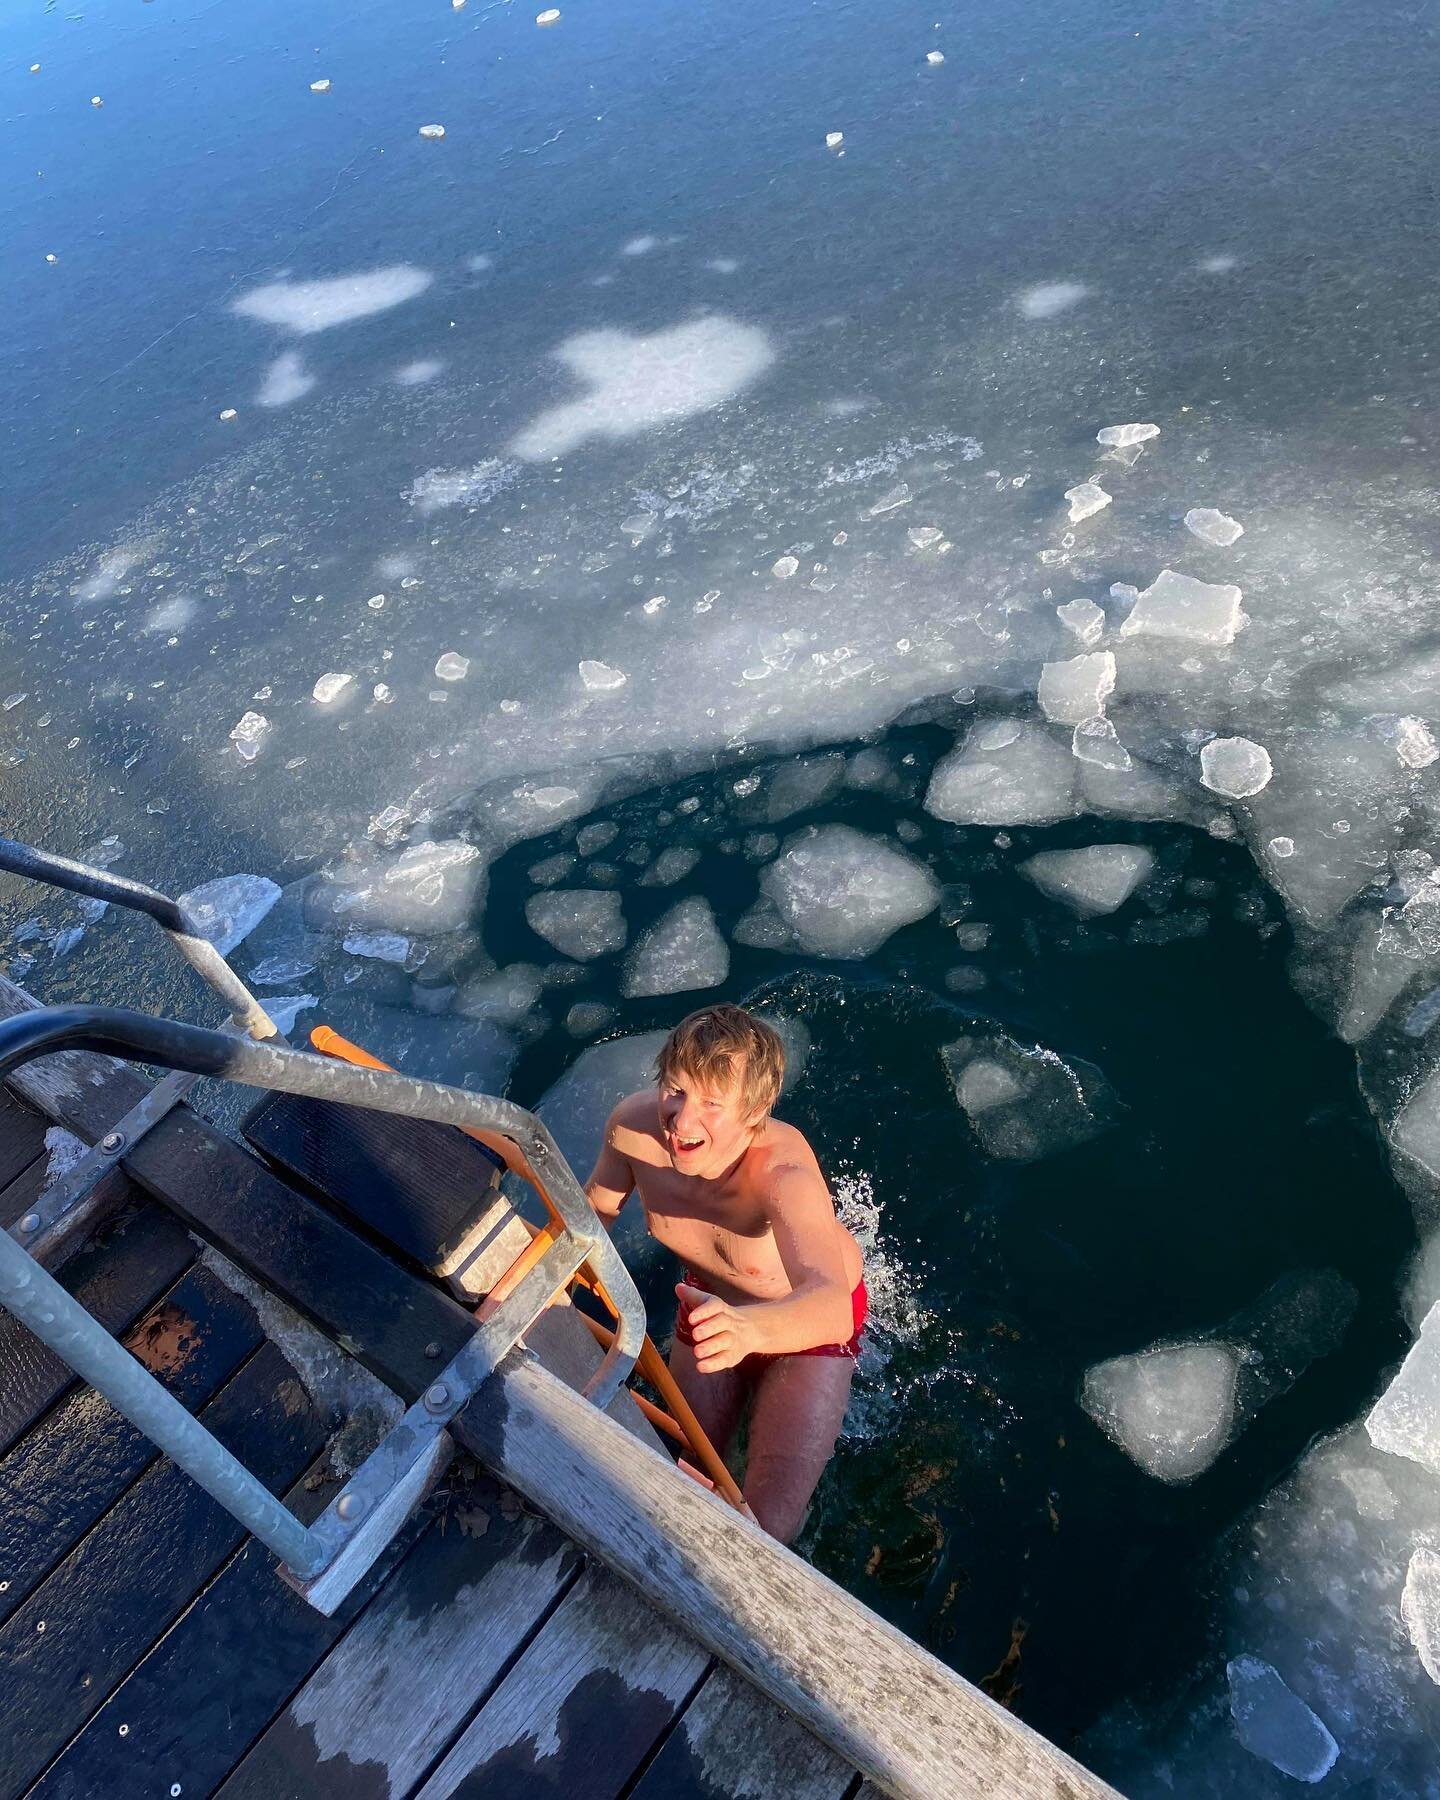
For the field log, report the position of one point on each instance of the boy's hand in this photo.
(723, 1335)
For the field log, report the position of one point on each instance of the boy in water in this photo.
(773, 1301)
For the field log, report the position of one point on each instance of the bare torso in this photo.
(720, 1228)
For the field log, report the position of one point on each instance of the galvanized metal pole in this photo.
(39, 1302)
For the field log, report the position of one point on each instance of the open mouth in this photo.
(686, 1146)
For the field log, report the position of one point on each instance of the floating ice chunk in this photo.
(785, 567)
(1193, 612)
(834, 139)
(1076, 690)
(1086, 500)
(320, 87)
(843, 893)
(308, 306)
(1094, 741)
(762, 928)
(635, 382)
(1275, 1724)
(285, 1009)
(587, 1017)
(1025, 1102)
(934, 57)
(225, 911)
(452, 666)
(432, 131)
(1123, 437)
(1235, 767)
(1169, 1409)
(1098, 879)
(600, 678)
(380, 946)
(591, 839)
(1405, 1420)
(329, 688)
(579, 922)
(248, 734)
(892, 501)
(1047, 298)
(506, 997)
(681, 951)
(286, 379)
(1084, 619)
(925, 537)
(805, 782)
(551, 16)
(1415, 743)
(425, 891)
(1213, 527)
(278, 970)
(670, 866)
(64, 942)
(1419, 1608)
(1004, 774)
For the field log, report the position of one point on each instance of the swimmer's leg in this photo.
(798, 1410)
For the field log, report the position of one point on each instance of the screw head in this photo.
(350, 1506)
(433, 1352)
(112, 1141)
(31, 1222)
(437, 1397)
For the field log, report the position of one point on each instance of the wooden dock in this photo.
(568, 1614)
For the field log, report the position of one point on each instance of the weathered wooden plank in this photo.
(395, 1690)
(230, 1662)
(877, 1699)
(88, 1623)
(22, 1137)
(581, 1709)
(135, 1259)
(732, 1744)
(84, 1093)
(57, 1481)
(419, 1187)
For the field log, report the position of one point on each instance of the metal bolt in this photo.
(31, 1222)
(432, 1351)
(539, 1151)
(437, 1398)
(350, 1506)
(112, 1141)
(124, 1731)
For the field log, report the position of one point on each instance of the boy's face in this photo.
(705, 1129)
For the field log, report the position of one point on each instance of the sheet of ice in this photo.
(579, 922)
(1023, 1101)
(1405, 1420)
(225, 911)
(286, 380)
(1169, 1409)
(1084, 619)
(843, 893)
(681, 951)
(1077, 689)
(1125, 437)
(421, 891)
(309, 306)
(1420, 1609)
(1275, 1724)
(635, 381)
(1236, 767)
(1085, 500)
(1004, 773)
(1095, 880)
(1189, 611)
(1213, 527)
(1047, 299)
(378, 946)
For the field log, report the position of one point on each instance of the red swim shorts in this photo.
(860, 1307)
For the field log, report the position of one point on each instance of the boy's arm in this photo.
(612, 1180)
(818, 1311)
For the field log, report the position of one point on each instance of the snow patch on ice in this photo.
(305, 307)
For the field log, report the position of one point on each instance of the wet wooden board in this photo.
(62, 1476)
(91, 1620)
(22, 1137)
(134, 1260)
(581, 1709)
(416, 1186)
(394, 1691)
(732, 1744)
(207, 1690)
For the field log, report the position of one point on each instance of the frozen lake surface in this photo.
(923, 519)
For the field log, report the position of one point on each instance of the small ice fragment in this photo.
(248, 734)
(1122, 437)
(432, 131)
(923, 536)
(319, 87)
(600, 678)
(834, 139)
(654, 604)
(452, 666)
(1415, 743)
(1213, 527)
(227, 414)
(225, 911)
(381, 694)
(1195, 612)
(639, 246)
(330, 687)
(11, 701)
(95, 100)
(380, 946)
(1096, 880)
(1275, 1724)
(376, 602)
(671, 865)
(284, 1009)
(1235, 767)
(1084, 618)
(1419, 1604)
(587, 1017)
(682, 951)
(1281, 847)
(550, 16)
(1094, 741)
(1073, 691)
(276, 971)
(898, 496)
(1169, 1408)
(1086, 500)
(935, 57)
(785, 567)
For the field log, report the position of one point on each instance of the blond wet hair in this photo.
(722, 1046)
